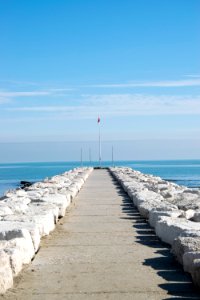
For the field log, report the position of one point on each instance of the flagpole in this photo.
(81, 157)
(98, 121)
(99, 145)
(90, 157)
(112, 156)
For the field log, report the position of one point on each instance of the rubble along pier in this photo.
(102, 249)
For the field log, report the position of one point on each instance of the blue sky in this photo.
(134, 62)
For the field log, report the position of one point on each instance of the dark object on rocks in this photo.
(25, 184)
(3, 198)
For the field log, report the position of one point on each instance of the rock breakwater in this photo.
(172, 210)
(29, 214)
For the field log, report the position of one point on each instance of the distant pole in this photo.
(99, 141)
(112, 156)
(90, 157)
(81, 157)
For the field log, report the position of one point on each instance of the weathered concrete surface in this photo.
(103, 249)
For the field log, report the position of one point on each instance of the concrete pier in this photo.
(102, 249)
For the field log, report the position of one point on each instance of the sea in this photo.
(182, 172)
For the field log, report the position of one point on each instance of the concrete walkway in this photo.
(101, 250)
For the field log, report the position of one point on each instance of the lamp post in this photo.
(112, 156)
(98, 121)
(90, 157)
(81, 157)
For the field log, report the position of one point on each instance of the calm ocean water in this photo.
(184, 172)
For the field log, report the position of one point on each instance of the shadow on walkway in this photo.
(179, 284)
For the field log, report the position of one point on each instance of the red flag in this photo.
(98, 120)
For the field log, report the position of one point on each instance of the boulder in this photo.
(196, 216)
(155, 214)
(187, 200)
(184, 244)
(5, 210)
(10, 230)
(191, 264)
(147, 196)
(188, 214)
(6, 277)
(60, 200)
(168, 228)
(24, 184)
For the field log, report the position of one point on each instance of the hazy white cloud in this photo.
(24, 94)
(8, 96)
(60, 89)
(44, 108)
(139, 104)
(4, 100)
(170, 83)
(19, 83)
(51, 92)
(120, 105)
(193, 75)
(11, 84)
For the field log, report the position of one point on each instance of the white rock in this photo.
(72, 191)
(155, 215)
(21, 252)
(62, 201)
(6, 277)
(36, 208)
(189, 260)
(145, 207)
(191, 264)
(16, 205)
(182, 244)
(187, 200)
(5, 210)
(15, 256)
(189, 214)
(35, 194)
(79, 182)
(146, 196)
(44, 221)
(21, 193)
(11, 230)
(168, 228)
